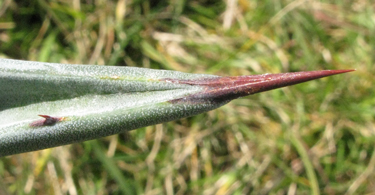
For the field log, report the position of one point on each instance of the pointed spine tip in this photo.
(228, 88)
(333, 72)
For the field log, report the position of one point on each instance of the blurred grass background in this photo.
(312, 138)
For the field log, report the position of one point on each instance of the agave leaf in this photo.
(44, 105)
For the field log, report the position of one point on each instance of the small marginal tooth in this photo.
(46, 121)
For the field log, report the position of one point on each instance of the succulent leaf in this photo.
(44, 105)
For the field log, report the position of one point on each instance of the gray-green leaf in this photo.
(91, 102)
